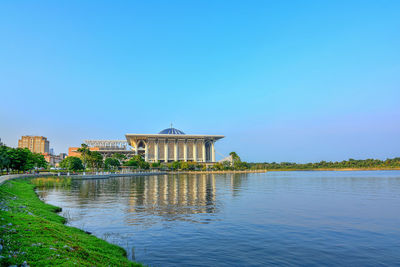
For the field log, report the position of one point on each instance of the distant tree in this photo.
(163, 166)
(5, 160)
(156, 165)
(72, 164)
(235, 156)
(350, 163)
(218, 166)
(136, 162)
(85, 154)
(222, 166)
(226, 165)
(185, 166)
(20, 159)
(237, 163)
(95, 159)
(169, 166)
(144, 165)
(120, 157)
(176, 165)
(131, 163)
(111, 163)
(38, 160)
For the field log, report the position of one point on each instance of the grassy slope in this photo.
(31, 231)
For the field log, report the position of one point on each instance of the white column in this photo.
(185, 150)
(156, 151)
(146, 153)
(204, 151)
(136, 148)
(176, 150)
(194, 150)
(212, 152)
(166, 150)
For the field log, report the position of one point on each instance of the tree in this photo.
(221, 166)
(5, 160)
(237, 163)
(20, 159)
(144, 165)
(137, 162)
(111, 163)
(134, 161)
(175, 165)
(85, 154)
(156, 165)
(185, 165)
(235, 156)
(120, 157)
(72, 164)
(95, 159)
(38, 160)
(218, 166)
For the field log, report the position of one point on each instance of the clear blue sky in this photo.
(283, 80)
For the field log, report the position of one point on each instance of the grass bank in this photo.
(31, 232)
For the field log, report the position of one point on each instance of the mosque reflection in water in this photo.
(144, 200)
(169, 196)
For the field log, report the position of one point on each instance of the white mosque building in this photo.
(174, 145)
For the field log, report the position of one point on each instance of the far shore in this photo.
(226, 171)
(151, 172)
(336, 169)
(280, 170)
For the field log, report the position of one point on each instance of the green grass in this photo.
(51, 182)
(31, 231)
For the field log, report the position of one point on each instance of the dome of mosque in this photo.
(171, 131)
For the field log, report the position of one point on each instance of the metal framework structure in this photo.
(109, 147)
(112, 144)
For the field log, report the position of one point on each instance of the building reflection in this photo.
(172, 196)
(148, 200)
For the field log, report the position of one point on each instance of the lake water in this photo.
(275, 218)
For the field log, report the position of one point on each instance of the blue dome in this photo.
(171, 131)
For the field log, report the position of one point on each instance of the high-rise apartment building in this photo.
(36, 144)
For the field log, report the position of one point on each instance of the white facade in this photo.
(173, 145)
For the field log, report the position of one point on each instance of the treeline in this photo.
(93, 160)
(235, 164)
(20, 160)
(116, 161)
(345, 164)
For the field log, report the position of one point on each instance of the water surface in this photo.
(275, 218)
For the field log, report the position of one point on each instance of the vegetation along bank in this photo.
(31, 233)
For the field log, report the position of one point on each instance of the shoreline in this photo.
(282, 170)
(216, 172)
(337, 169)
(104, 175)
(33, 233)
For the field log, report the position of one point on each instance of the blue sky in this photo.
(283, 80)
